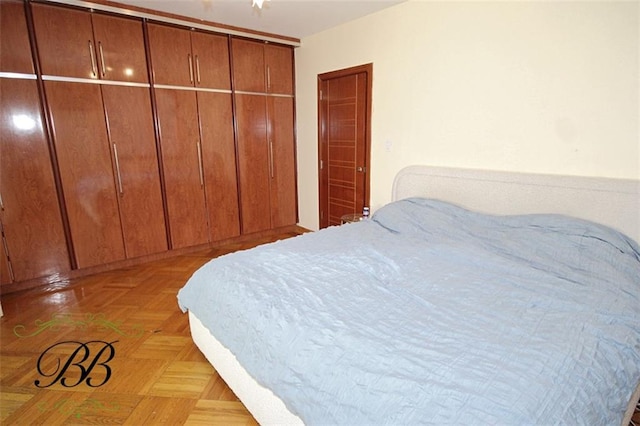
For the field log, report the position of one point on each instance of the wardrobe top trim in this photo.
(18, 75)
(93, 81)
(204, 25)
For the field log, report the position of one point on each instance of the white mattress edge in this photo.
(261, 402)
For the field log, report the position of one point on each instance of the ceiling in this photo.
(291, 18)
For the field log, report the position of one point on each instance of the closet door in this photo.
(253, 162)
(15, 51)
(211, 61)
(182, 166)
(249, 73)
(30, 218)
(6, 277)
(135, 161)
(119, 47)
(262, 68)
(29, 208)
(85, 166)
(218, 150)
(65, 41)
(67, 46)
(283, 171)
(279, 68)
(170, 54)
(263, 84)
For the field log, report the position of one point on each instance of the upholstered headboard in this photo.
(612, 202)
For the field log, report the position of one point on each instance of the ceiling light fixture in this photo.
(258, 3)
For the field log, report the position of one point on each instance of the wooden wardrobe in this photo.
(263, 76)
(126, 138)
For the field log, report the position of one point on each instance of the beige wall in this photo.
(547, 87)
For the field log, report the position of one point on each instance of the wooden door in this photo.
(135, 160)
(279, 69)
(170, 54)
(119, 48)
(211, 61)
(65, 41)
(344, 122)
(182, 166)
(219, 163)
(15, 51)
(29, 207)
(282, 162)
(248, 66)
(87, 176)
(253, 162)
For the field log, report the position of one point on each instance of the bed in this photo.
(474, 297)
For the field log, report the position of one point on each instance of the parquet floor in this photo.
(112, 348)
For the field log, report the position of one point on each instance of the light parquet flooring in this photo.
(112, 348)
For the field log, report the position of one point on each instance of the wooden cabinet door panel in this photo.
(279, 62)
(282, 150)
(179, 139)
(170, 53)
(30, 213)
(87, 176)
(248, 65)
(133, 148)
(5, 275)
(14, 39)
(253, 162)
(65, 41)
(120, 51)
(219, 158)
(211, 60)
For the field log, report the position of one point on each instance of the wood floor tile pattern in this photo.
(157, 374)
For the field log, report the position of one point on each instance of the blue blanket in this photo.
(431, 314)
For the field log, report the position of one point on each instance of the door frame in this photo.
(367, 69)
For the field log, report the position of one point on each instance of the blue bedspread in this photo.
(431, 314)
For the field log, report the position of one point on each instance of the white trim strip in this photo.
(137, 14)
(93, 81)
(17, 75)
(196, 89)
(278, 95)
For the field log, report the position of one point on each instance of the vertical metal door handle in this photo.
(271, 172)
(198, 69)
(115, 155)
(200, 164)
(93, 60)
(1, 202)
(268, 78)
(104, 68)
(190, 68)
